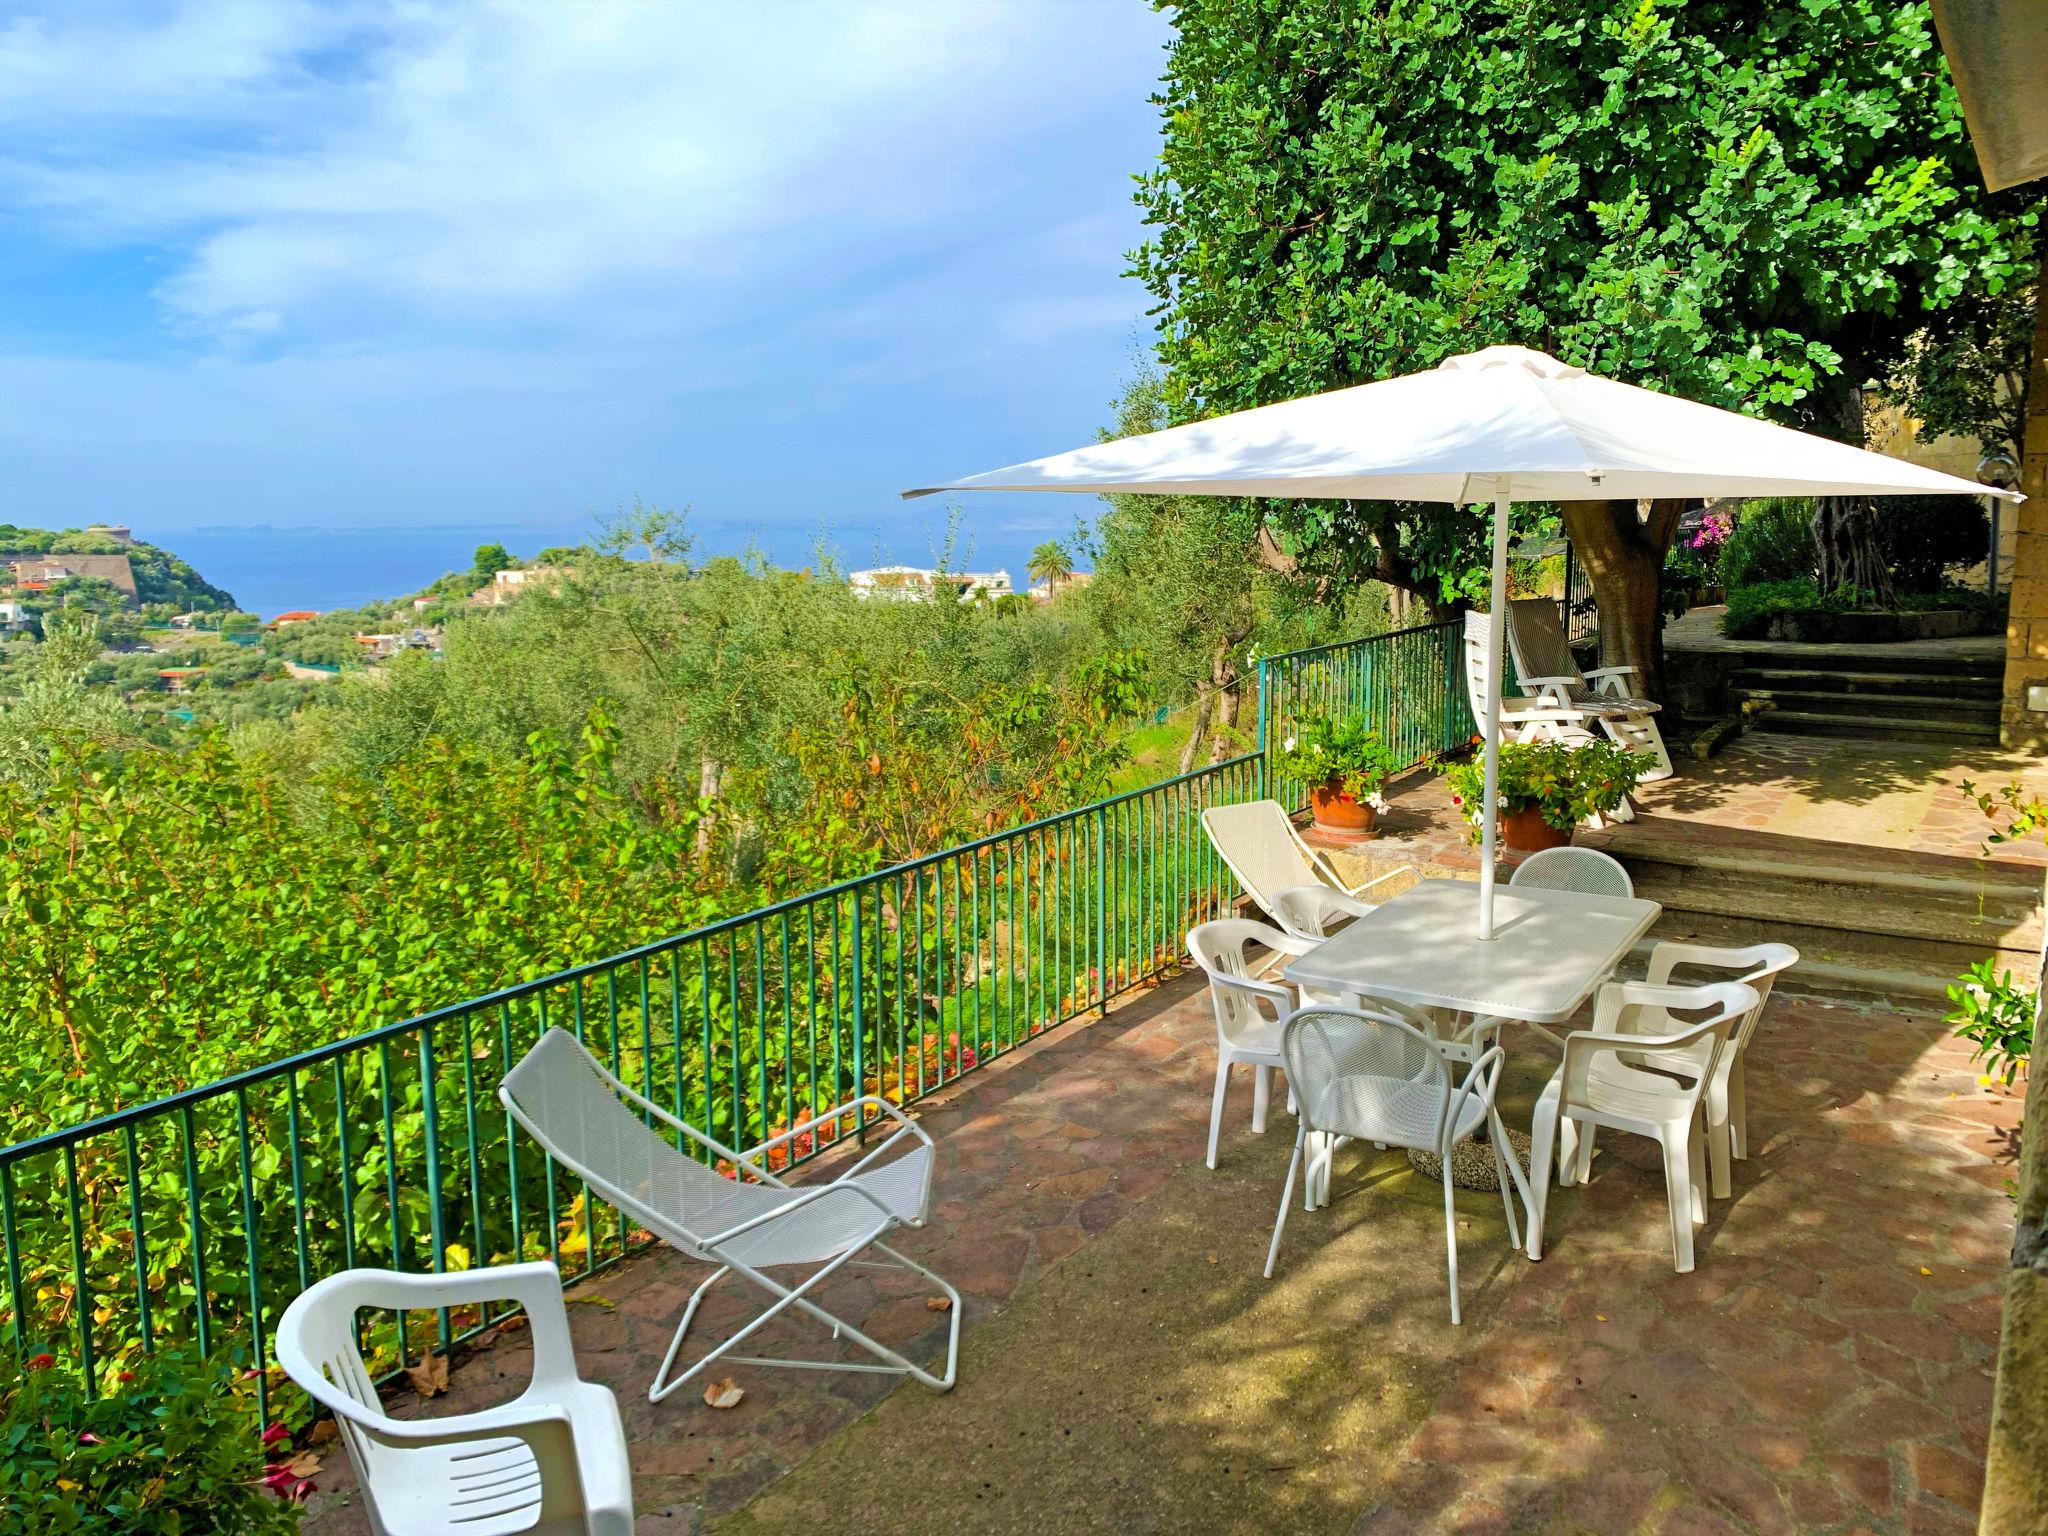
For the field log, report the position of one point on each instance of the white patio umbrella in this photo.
(1503, 425)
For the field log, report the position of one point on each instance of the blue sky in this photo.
(501, 266)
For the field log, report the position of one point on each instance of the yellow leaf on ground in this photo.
(305, 1464)
(593, 1301)
(1925, 1270)
(430, 1377)
(938, 1303)
(724, 1394)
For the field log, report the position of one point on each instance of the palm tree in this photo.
(1051, 564)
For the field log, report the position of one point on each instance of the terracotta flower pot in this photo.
(1526, 831)
(1335, 811)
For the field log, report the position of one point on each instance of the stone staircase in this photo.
(1876, 693)
(1868, 922)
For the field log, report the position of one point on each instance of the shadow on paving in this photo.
(1827, 1367)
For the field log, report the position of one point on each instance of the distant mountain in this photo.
(160, 576)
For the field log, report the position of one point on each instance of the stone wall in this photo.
(2026, 635)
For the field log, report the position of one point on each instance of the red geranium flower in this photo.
(41, 1362)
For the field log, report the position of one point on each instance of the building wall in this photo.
(2026, 632)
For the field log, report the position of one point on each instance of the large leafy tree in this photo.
(1753, 205)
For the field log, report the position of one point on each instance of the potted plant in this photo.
(1547, 788)
(1345, 765)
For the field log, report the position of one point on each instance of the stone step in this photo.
(1896, 706)
(1875, 727)
(1833, 963)
(1880, 659)
(1886, 684)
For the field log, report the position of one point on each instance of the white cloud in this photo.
(339, 170)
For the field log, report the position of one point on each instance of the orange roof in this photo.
(296, 615)
(181, 671)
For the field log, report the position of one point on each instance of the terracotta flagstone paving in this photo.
(1125, 1367)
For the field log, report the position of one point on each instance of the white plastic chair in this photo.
(746, 1225)
(1758, 965)
(1244, 1034)
(551, 1461)
(1585, 870)
(1544, 663)
(1595, 1086)
(1362, 1075)
(1259, 843)
(1527, 718)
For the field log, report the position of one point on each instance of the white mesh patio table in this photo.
(1549, 950)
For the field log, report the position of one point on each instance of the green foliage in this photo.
(1966, 371)
(1759, 208)
(1348, 749)
(1050, 563)
(160, 576)
(52, 709)
(1922, 537)
(1996, 1015)
(1772, 541)
(160, 1454)
(1751, 608)
(491, 559)
(1566, 783)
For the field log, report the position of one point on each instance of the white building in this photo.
(915, 584)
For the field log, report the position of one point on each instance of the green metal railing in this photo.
(1409, 682)
(200, 1216)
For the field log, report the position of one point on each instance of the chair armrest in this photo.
(1323, 901)
(1272, 992)
(1477, 1080)
(1366, 885)
(1551, 682)
(864, 1101)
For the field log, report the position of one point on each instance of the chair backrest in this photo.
(1721, 1006)
(1536, 636)
(1586, 870)
(1757, 965)
(1345, 1066)
(570, 1105)
(1478, 630)
(316, 1340)
(1256, 839)
(1218, 948)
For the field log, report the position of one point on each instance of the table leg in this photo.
(1515, 1170)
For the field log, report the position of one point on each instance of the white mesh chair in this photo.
(1259, 843)
(1758, 965)
(1544, 663)
(1595, 1086)
(1369, 1076)
(746, 1225)
(551, 1461)
(1585, 870)
(1245, 1035)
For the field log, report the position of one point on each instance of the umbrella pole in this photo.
(1496, 641)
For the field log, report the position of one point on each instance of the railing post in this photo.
(860, 1078)
(1265, 744)
(1101, 908)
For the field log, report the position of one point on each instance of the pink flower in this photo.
(89, 1438)
(275, 1433)
(41, 1362)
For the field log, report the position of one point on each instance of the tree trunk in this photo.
(1845, 527)
(1623, 550)
(1205, 701)
(1224, 741)
(710, 779)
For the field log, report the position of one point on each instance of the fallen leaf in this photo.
(1212, 1258)
(430, 1377)
(305, 1464)
(724, 1394)
(1599, 1317)
(324, 1431)
(1925, 1270)
(938, 1303)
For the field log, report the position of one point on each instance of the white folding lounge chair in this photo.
(1259, 843)
(1544, 662)
(1523, 717)
(748, 1224)
(551, 1461)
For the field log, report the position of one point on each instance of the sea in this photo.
(271, 570)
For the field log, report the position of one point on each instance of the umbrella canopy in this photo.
(1503, 425)
(1507, 421)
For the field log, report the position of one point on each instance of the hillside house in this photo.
(505, 586)
(38, 572)
(915, 584)
(293, 616)
(180, 679)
